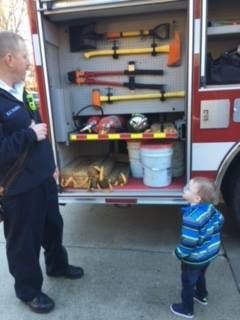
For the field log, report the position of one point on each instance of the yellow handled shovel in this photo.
(173, 49)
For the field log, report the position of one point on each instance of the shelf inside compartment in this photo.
(136, 185)
(121, 136)
(230, 30)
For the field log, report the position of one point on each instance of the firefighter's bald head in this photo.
(14, 60)
(10, 42)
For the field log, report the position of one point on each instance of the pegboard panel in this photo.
(174, 77)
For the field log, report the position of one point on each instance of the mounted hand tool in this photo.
(98, 100)
(173, 49)
(88, 78)
(84, 37)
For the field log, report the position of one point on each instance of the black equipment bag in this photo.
(225, 69)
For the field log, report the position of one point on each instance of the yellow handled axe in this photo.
(97, 99)
(173, 49)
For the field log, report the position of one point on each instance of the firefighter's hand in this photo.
(40, 130)
(56, 174)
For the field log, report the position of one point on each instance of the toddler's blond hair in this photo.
(206, 189)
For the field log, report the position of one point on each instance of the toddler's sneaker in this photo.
(201, 300)
(179, 310)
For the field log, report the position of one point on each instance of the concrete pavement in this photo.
(130, 272)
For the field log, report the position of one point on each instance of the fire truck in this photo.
(172, 66)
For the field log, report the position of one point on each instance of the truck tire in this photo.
(231, 192)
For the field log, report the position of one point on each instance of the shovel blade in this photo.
(174, 56)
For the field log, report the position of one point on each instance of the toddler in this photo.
(199, 245)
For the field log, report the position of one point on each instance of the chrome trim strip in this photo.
(46, 80)
(36, 50)
(189, 87)
(220, 87)
(139, 200)
(69, 6)
(122, 194)
(203, 38)
(197, 36)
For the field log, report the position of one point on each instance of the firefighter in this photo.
(30, 204)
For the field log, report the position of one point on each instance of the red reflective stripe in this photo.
(120, 201)
(207, 174)
(32, 15)
(197, 9)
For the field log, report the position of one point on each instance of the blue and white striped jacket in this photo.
(200, 237)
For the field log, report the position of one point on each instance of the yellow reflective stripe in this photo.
(73, 137)
(159, 135)
(92, 136)
(136, 135)
(113, 136)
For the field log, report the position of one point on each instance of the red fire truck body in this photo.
(207, 119)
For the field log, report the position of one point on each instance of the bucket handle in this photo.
(156, 169)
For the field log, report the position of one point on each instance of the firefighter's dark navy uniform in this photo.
(31, 215)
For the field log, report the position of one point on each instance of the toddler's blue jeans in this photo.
(193, 281)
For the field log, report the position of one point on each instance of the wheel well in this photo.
(228, 179)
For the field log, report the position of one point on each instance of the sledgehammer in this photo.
(173, 49)
(98, 100)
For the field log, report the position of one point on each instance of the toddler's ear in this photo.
(198, 198)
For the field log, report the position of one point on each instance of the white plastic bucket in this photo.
(135, 158)
(157, 164)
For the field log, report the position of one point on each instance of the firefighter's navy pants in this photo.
(32, 220)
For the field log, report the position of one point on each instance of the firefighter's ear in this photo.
(8, 59)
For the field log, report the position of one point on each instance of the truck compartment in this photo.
(222, 43)
(66, 41)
